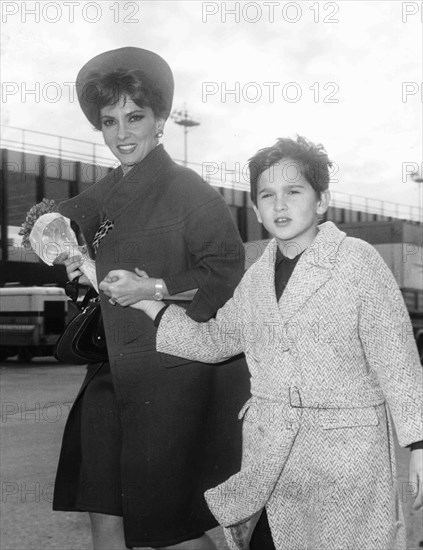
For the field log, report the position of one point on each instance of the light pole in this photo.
(182, 118)
(418, 179)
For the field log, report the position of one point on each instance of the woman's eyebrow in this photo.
(135, 111)
(140, 110)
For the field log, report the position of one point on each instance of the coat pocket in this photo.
(330, 419)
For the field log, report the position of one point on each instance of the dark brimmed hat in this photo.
(155, 69)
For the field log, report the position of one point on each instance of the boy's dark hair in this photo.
(107, 89)
(312, 159)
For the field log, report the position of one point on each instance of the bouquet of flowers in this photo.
(50, 236)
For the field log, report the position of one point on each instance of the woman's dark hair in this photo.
(107, 89)
(312, 159)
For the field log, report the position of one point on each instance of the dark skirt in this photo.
(150, 457)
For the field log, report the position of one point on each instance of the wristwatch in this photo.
(158, 295)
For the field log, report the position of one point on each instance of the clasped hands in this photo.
(132, 289)
(127, 288)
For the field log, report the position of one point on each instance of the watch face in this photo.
(158, 296)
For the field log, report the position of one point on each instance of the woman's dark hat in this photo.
(155, 68)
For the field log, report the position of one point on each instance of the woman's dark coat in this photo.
(180, 433)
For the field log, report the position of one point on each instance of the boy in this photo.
(327, 352)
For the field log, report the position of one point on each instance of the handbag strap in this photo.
(90, 295)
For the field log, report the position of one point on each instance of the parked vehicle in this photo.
(31, 320)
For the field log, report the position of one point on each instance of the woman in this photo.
(144, 440)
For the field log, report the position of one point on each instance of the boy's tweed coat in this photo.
(324, 361)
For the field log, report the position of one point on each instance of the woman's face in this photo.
(129, 131)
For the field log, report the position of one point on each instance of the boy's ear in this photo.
(256, 210)
(323, 203)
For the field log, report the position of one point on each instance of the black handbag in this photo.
(83, 340)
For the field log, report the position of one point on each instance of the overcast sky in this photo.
(347, 74)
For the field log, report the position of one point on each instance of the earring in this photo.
(159, 134)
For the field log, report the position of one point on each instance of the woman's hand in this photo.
(128, 288)
(72, 265)
(416, 476)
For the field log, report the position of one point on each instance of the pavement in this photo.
(35, 401)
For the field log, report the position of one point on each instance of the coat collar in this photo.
(87, 205)
(137, 182)
(115, 192)
(86, 209)
(313, 270)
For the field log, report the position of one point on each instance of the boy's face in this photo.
(288, 206)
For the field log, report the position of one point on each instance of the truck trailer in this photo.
(31, 320)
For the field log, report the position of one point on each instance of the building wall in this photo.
(29, 178)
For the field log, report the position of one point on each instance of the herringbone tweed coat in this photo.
(325, 361)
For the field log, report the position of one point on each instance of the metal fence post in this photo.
(41, 179)
(4, 205)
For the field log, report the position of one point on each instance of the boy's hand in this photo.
(416, 476)
(149, 307)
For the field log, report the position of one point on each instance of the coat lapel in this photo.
(263, 284)
(86, 209)
(137, 183)
(313, 270)
(110, 196)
